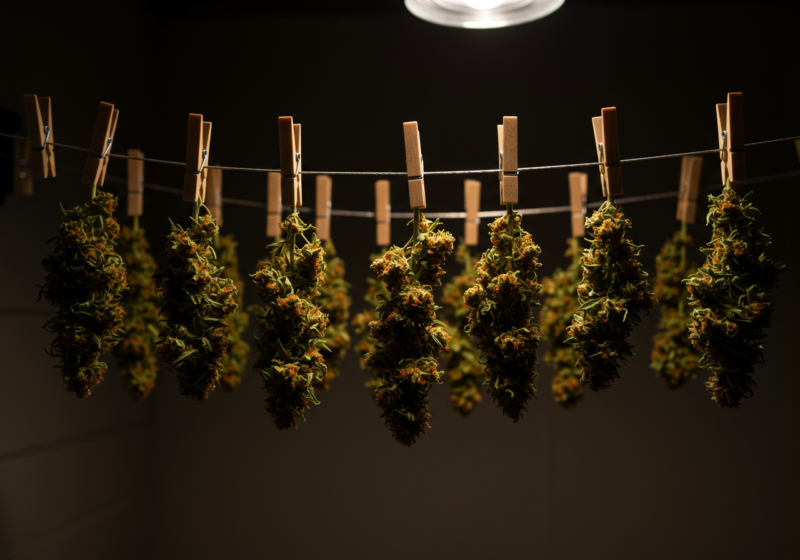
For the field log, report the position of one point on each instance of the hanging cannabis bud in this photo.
(559, 305)
(136, 354)
(407, 335)
(292, 327)
(500, 308)
(464, 369)
(335, 303)
(673, 357)
(731, 296)
(376, 291)
(235, 360)
(613, 294)
(194, 339)
(85, 280)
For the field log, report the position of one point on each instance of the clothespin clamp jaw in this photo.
(214, 194)
(323, 209)
(414, 165)
(507, 142)
(730, 129)
(691, 168)
(198, 147)
(578, 190)
(383, 212)
(606, 138)
(273, 205)
(135, 182)
(23, 178)
(39, 114)
(472, 205)
(102, 139)
(291, 162)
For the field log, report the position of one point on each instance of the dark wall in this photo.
(636, 471)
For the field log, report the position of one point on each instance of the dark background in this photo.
(633, 472)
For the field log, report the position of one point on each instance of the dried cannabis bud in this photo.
(335, 303)
(235, 361)
(407, 335)
(464, 369)
(376, 291)
(84, 281)
(195, 336)
(613, 294)
(500, 311)
(673, 358)
(292, 326)
(731, 296)
(559, 305)
(135, 354)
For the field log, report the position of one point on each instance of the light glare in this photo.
(483, 4)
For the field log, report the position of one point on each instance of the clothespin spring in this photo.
(297, 166)
(46, 140)
(202, 165)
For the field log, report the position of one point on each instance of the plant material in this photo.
(194, 339)
(559, 305)
(673, 357)
(85, 279)
(407, 335)
(613, 294)
(731, 294)
(235, 360)
(335, 303)
(500, 308)
(292, 326)
(135, 354)
(464, 368)
(376, 291)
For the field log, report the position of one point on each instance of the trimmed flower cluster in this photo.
(731, 294)
(194, 339)
(464, 369)
(335, 303)
(558, 306)
(500, 309)
(135, 354)
(613, 294)
(235, 360)
(407, 335)
(85, 279)
(673, 357)
(292, 326)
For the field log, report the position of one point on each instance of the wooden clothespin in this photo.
(578, 189)
(135, 182)
(323, 221)
(691, 168)
(797, 147)
(507, 153)
(383, 213)
(39, 114)
(730, 129)
(472, 204)
(23, 178)
(198, 147)
(414, 165)
(102, 138)
(110, 143)
(214, 194)
(291, 163)
(606, 139)
(273, 205)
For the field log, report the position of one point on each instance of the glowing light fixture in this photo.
(482, 14)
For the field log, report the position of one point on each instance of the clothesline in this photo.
(442, 215)
(390, 173)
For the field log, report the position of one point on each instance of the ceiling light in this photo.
(482, 14)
